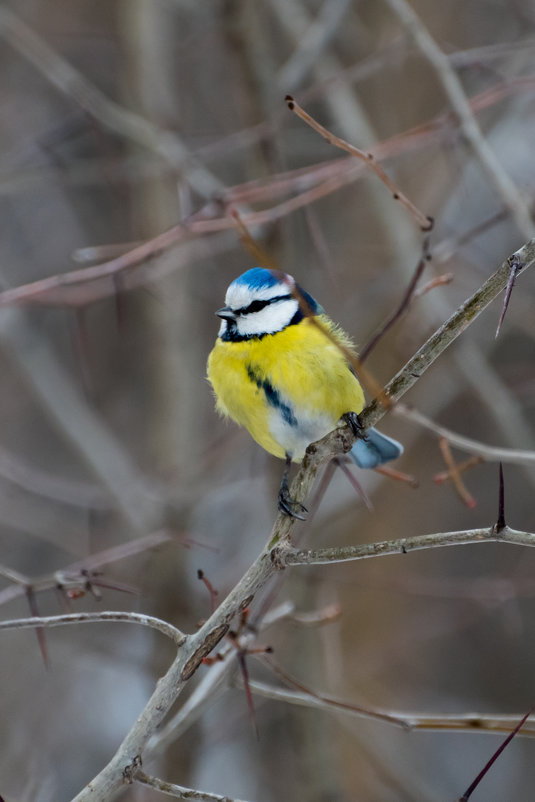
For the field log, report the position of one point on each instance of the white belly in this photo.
(294, 437)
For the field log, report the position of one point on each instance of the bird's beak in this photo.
(226, 313)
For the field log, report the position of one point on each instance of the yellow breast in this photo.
(288, 388)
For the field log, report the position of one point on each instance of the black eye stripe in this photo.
(256, 306)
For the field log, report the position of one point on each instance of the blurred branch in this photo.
(310, 46)
(311, 184)
(408, 721)
(76, 574)
(454, 473)
(448, 332)
(86, 432)
(42, 483)
(177, 791)
(494, 453)
(74, 85)
(198, 645)
(96, 618)
(403, 305)
(452, 86)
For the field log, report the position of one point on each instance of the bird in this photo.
(284, 378)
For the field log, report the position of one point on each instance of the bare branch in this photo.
(178, 791)
(287, 555)
(96, 618)
(494, 453)
(433, 722)
(198, 645)
(74, 85)
(402, 307)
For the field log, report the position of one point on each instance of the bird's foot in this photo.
(290, 507)
(353, 421)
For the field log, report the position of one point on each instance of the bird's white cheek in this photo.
(269, 320)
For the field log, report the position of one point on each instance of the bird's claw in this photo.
(353, 421)
(289, 506)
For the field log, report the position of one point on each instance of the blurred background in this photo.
(121, 120)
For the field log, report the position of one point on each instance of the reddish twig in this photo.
(516, 267)
(210, 588)
(439, 281)
(467, 498)
(398, 476)
(425, 222)
(353, 481)
(469, 463)
(402, 306)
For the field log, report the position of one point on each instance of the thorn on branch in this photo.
(500, 523)
(472, 787)
(516, 266)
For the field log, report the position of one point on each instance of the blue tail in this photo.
(375, 449)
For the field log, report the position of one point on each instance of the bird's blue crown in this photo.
(257, 278)
(260, 279)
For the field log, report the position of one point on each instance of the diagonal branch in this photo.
(70, 82)
(109, 782)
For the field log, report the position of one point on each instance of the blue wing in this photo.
(375, 449)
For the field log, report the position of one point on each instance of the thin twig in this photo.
(447, 456)
(319, 181)
(425, 222)
(494, 453)
(441, 722)
(447, 333)
(402, 306)
(460, 467)
(178, 791)
(96, 618)
(287, 555)
(70, 82)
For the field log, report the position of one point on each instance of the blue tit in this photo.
(276, 373)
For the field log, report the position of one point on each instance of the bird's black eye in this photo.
(254, 306)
